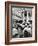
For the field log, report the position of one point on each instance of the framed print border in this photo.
(7, 22)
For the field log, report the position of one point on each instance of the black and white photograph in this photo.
(21, 22)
